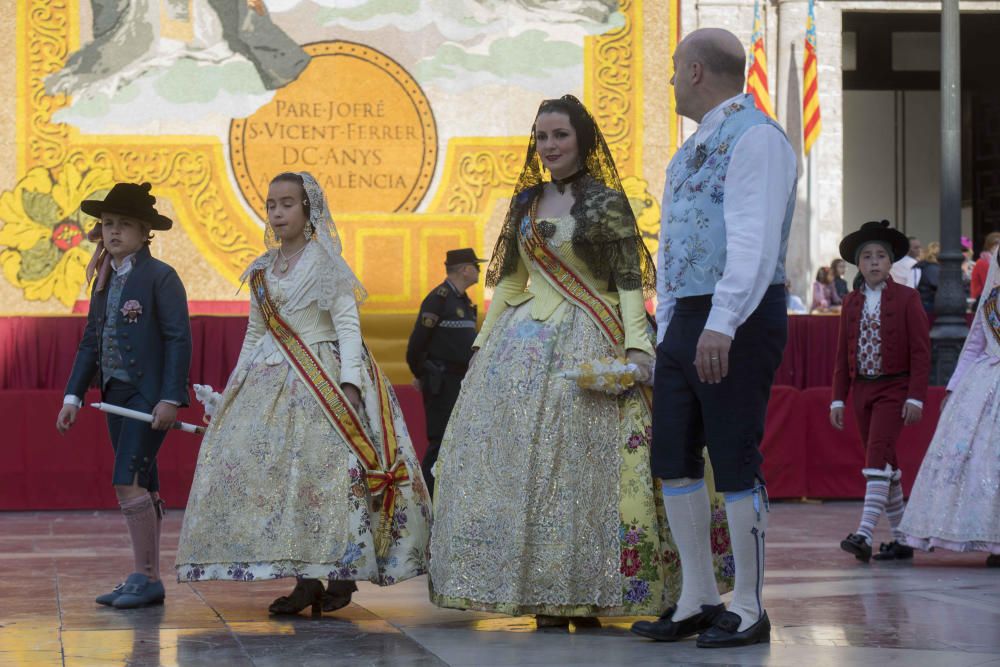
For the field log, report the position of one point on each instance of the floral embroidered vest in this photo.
(693, 254)
(112, 365)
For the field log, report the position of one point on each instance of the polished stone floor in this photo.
(827, 609)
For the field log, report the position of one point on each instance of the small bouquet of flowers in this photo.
(608, 375)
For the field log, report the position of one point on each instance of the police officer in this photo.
(441, 346)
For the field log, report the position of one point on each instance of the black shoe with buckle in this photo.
(666, 630)
(108, 599)
(893, 551)
(856, 545)
(726, 632)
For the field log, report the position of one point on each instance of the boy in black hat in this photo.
(137, 344)
(883, 357)
(440, 348)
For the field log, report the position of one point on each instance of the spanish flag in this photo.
(810, 84)
(757, 72)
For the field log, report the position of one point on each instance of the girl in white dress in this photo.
(307, 469)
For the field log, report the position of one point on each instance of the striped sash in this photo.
(384, 471)
(570, 285)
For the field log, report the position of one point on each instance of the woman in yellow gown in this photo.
(545, 503)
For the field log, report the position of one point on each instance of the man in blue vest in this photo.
(726, 214)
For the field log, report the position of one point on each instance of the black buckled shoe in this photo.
(726, 634)
(666, 630)
(856, 545)
(108, 599)
(893, 551)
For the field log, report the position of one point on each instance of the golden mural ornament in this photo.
(479, 172)
(45, 232)
(355, 119)
(215, 189)
(646, 209)
(613, 75)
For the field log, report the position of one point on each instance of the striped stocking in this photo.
(876, 496)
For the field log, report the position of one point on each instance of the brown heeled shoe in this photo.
(307, 592)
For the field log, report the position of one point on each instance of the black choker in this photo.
(561, 183)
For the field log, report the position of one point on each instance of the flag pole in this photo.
(809, 197)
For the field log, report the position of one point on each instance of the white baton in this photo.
(143, 417)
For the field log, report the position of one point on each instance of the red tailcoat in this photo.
(906, 345)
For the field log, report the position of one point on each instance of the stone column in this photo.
(818, 225)
(949, 331)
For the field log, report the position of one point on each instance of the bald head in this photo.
(720, 51)
(709, 66)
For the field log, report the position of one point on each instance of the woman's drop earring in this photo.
(308, 231)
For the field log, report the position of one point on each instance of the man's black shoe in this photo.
(855, 544)
(893, 551)
(725, 633)
(666, 630)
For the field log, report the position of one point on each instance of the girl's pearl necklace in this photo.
(283, 266)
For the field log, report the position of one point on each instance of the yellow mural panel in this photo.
(413, 115)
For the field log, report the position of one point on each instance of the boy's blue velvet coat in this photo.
(156, 348)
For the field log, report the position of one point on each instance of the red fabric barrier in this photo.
(804, 455)
(41, 469)
(810, 352)
(834, 459)
(784, 445)
(38, 352)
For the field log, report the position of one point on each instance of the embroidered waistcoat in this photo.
(693, 254)
(112, 365)
(870, 342)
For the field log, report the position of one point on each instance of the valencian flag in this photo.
(757, 72)
(810, 84)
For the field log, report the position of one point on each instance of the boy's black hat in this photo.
(875, 232)
(131, 199)
(462, 256)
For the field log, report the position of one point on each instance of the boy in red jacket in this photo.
(883, 356)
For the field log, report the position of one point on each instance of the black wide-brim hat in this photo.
(874, 232)
(132, 200)
(462, 256)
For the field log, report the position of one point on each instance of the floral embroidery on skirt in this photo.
(545, 503)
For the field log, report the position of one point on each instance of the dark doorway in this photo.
(899, 54)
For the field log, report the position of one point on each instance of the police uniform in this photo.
(438, 355)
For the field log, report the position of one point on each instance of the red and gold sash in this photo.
(570, 285)
(384, 470)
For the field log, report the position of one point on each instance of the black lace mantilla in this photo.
(606, 236)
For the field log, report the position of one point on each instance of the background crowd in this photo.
(920, 269)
